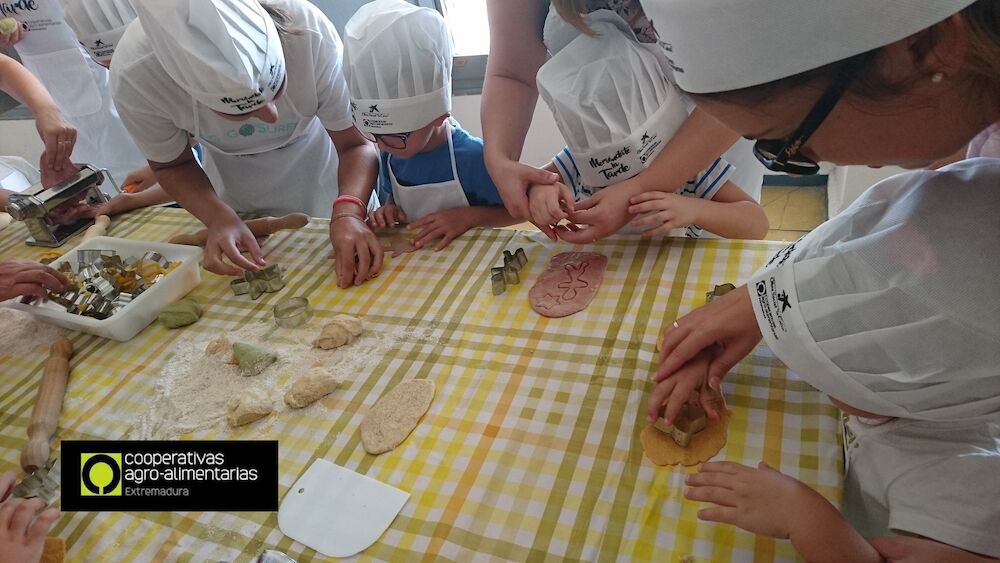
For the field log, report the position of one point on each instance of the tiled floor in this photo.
(793, 211)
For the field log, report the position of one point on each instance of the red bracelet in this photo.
(352, 199)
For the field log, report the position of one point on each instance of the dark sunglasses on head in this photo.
(782, 155)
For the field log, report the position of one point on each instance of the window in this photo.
(470, 31)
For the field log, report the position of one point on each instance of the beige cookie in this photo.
(661, 449)
(252, 405)
(222, 348)
(341, 330)
(395, 415)
(311, 387)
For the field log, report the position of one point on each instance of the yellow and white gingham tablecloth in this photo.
(530, 450)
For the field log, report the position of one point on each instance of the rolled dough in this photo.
(661, 449)
(311, 387)
(568, 284)
(395, 415)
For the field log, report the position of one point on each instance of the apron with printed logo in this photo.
(278, 168)
(423, 199)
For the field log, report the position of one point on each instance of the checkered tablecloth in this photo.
(530, 450)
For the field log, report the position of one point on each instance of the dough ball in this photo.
(222, 348)
(252, 405)
(252, 359)
(339, 331)
(181, 313)
(309, 388)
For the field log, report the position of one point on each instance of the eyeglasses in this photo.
(392, 140)
(782, 155)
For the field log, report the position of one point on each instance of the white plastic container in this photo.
(137, 315)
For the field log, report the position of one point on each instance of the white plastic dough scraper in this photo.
(338, 512)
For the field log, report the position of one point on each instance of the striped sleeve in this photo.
(708, 182)
(570, 173)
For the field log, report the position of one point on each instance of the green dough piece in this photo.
(181, 313)
(252, 360)
(8, 26)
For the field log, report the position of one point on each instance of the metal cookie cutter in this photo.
(505, 275)
(719, 291)
(267, 280)
(292, 313)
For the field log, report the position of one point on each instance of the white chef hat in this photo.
(893, 306)
(722, 45)
(611, 100)
(225, 53)
(397, 59)
(99, 24)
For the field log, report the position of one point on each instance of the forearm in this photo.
(693, 148)
(506, 112)
(357, 171)
(152, 196)
(186, 182)
(734, 219)
(823, 534)
(490, 216)
(24, 87)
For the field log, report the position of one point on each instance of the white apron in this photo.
(80, 87)
(422, 200)
(275, 168)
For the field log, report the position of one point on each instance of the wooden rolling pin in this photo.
(261, 228)
(48, 405)
(98, 229)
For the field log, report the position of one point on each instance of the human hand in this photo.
(905, 549)
(447, 224)
(356, 249)
(762, 500)
(9, 39)
(513, 180)
(548, 205)
(24, 277)
(728, 321)
(657, 212)
(386, 217)
(139, 180)
(670, 394)
(229, 237)
(22, 528)
(604, 213)
(59, 138)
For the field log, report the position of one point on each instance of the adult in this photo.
(260, 86)
(892, 306)
(522, 34)
(49, 48)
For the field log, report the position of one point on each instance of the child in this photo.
(617, 111)
(398, 60)
(880, 312)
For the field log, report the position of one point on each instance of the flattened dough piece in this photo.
(252, 359)
(661, 449)
(252, 405)
(311, 387)
(341, 330)
(568, 284)
(395, 415)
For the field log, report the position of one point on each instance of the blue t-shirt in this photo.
(435, 166)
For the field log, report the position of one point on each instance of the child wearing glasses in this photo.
(617, 110)
(398, 61)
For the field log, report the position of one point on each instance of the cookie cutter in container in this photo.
(292, 312)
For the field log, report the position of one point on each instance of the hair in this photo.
(982, 22)
(282, 19)
(573, 11)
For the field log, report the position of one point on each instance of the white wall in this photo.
(846, 183)
(19, 138)
(542, 143)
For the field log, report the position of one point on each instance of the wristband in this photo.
(346, 214)
(352, 199)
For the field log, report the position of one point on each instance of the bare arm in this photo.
(358, 253)
(186, 182)
(693, 148)
(490, 216)
(731, 214)
(510, 94)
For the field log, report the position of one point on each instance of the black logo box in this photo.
(260, 495)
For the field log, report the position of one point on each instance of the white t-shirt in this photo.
(940, 480)
(286, 166)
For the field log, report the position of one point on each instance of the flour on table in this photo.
(194, 388)
(21, 334)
